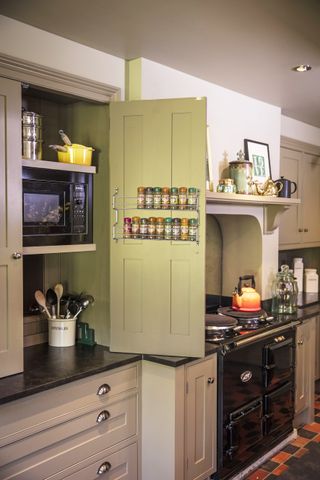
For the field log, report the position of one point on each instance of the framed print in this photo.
(258, 154)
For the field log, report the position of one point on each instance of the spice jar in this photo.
(176, 228)
(149, 197)
(135, 227)
(192, 198)
(160, 228)
(141, 197)
(168, 228)
(165, 198)
(152, 227)
(184, 229)
(157, 197)
(182, 198)
(193, 227)
(144, 228)
(127, 227)
(174, 197)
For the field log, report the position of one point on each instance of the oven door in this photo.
(244, 430)
(279, 409)
(278, 361)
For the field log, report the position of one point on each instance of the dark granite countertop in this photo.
(49, 367)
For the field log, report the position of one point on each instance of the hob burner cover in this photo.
(258, 315)
(215, 320)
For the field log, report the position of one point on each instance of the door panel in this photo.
(158, 287)
(11, 321)
(279, 409)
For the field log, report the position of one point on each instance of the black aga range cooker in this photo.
(255, 390)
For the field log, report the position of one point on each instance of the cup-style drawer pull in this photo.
(104, 415)
(210, 380)
(300, 342)
(103, 389)
(300, 230)
(104, 467)
(16, 255)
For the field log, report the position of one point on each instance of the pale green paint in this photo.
(158, 143)
(88, 124)
(133, 79)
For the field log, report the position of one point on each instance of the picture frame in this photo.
(258, 154)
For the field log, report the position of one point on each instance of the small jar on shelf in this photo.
(157, 197)
(135, 227)
(184, 229)
(144, 228)
(141, 197)
(165, 198)
(160, 228)
(168, 228)
(127, 227)
(174, 197)
(152, 227)
(192, 198)
(176, 228)
(193, 228)
(149, 197)
(183, 198)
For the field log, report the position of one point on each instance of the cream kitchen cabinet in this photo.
(304, 372)
(180, 404)
(79, 430)
(299, 226)
(11, 324)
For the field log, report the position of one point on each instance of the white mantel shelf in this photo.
(273, 207)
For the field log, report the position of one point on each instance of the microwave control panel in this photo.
(79, 208)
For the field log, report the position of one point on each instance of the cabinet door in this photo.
(305, 347)
(200, 423)
(317, 349)
(11, 321)
(291, 220)
(310, 173)
(158, 286)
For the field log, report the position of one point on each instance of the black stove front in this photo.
(256, 397)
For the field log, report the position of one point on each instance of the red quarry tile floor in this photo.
(300, 460)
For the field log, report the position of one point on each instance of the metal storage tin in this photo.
(241, 173)
(32, 118)
(31, 149)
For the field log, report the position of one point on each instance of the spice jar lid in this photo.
(168, 220)
(182, 189)
(136, 219)
(176, 220)
(160, 219)
(149, 189)
(193, 221)
(157, 189)
(174, 190)
(192, 190)
(152, 219)
(127, 220)
(140, 189)
(165, 189)
(184, 221)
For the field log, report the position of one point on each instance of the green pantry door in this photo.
(157, 286)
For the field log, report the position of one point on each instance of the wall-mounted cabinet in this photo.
(300, 226)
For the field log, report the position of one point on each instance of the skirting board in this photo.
(244, 473)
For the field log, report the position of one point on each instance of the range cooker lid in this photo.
(216, 322)
(259, 315)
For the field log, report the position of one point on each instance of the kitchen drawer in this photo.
(42, 411)
(63, 440)
(121, 465)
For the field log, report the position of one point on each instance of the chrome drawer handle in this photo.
(103, 389)
(104, 415)
(210, 380)
(104, 467)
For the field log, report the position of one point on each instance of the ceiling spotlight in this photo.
(302, 68)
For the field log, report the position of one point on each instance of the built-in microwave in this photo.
(57, 207)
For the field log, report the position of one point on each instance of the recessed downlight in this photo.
(302, 68)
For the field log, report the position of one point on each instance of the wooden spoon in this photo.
(41, 300)
(59, 292)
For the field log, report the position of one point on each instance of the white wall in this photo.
(29, 43)
(231, 116)
(300, 131)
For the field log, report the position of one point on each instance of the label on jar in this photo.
(192, 232)
(176, 230)
(149, 200)
(184, 232)
(140, 200)
(157, 200)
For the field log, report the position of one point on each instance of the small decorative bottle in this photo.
(135, 227)
(176, 228)
(192, 198)
(149, 197)
(157, 197)
(184, 229)
(160, 228)
(182, 198)
(127, 227)
(168, 228)
(144, 228)
(174, 198)
(151, 227)
(141, 197)
(165, 198)
(193, 228)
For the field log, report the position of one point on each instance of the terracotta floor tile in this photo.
(300, 441)
(317, 405)
(280, 469)
(259, 474)
(313, 427)
(281, 457)
(316, 439)
(301, 452)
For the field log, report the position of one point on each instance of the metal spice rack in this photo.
(125, 203)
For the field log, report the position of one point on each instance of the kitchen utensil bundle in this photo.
(31, 135)
(57, 306)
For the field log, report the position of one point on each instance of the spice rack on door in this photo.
(123, 203)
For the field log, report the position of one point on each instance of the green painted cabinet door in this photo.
(157, 286)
